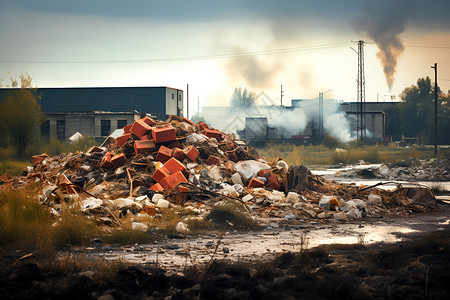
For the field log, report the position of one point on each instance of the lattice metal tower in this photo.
(361, 119)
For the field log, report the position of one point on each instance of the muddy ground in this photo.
(236, 266)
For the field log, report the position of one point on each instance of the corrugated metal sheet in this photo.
(116, 99)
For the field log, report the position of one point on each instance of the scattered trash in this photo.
(151, 166)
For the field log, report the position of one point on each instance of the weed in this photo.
(13, 167)
(24, 223)
(73, 228)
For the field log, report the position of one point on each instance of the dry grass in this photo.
(321, 155)
(26, 224)
(13, 167)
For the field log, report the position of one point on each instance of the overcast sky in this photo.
(215, 47)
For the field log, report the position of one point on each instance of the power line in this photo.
(409, 46)
(186, 58)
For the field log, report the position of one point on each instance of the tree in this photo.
(242, 99)
(416, 110)
(20, 114)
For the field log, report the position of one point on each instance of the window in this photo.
(173, 96)
(121, 124)
(45, 130)
(105, 127)
(61, 129)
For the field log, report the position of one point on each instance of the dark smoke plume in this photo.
(383, 22)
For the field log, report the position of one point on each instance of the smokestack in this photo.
(384, 26)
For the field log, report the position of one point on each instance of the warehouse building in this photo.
(98, 111)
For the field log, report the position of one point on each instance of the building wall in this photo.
(174, 102)
(148, 100)
(88, 124)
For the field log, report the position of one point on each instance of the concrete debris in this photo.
(158, 165)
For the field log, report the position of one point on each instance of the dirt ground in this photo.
(417, 266)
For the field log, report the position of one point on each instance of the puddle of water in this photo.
(252, 246)
(447, 222)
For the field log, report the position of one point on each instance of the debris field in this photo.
(177, 164)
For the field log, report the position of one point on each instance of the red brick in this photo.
(121, 140)
(174, 165)
(73, 189)
(160, 173)
(146, 137)
(232, 156)
(255, 183)
(174, 145)
(171, 181)
(118, 160)
(144, 146)
(38, 158)
(188, 121)
(157, 187)
(164, 134)
(272, 181)
(94, 149)
(178, 154)
(229, 166)
(214, 133)
(191, 152)
(202, 126)
(140, 128)
(149, 121)
(164, 154)
(213, 160)
(106, 160)
(126, 129)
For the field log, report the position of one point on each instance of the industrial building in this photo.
(98, 111)
(303, 122)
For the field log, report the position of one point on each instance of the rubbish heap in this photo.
(156, 165)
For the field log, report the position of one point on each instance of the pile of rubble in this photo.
(413, 170)
(156, 165)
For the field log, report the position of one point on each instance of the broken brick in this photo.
(121, 140)
(35, 159)
(94, 149)
(106, 160)
(160, 173)
(118, 160)
(232, 156)
(272, 181)
(169, 182)
(214, 133)
(174, 165)
(164, 134)
(255, 183)
(140, 128)
(144, 146)
(178, 154)
(188, 121)
(174, 145)
(164, 154)
(149, 121)
(202, 125)
(146, 137)
(126, 129)
(191, 152)
(213, 160)
(156, 187)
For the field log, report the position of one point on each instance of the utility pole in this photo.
(435, 107)
(187, 101)
(281, 95)
(320, 116)
(361, 122)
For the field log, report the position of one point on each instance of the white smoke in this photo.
(289, 121)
